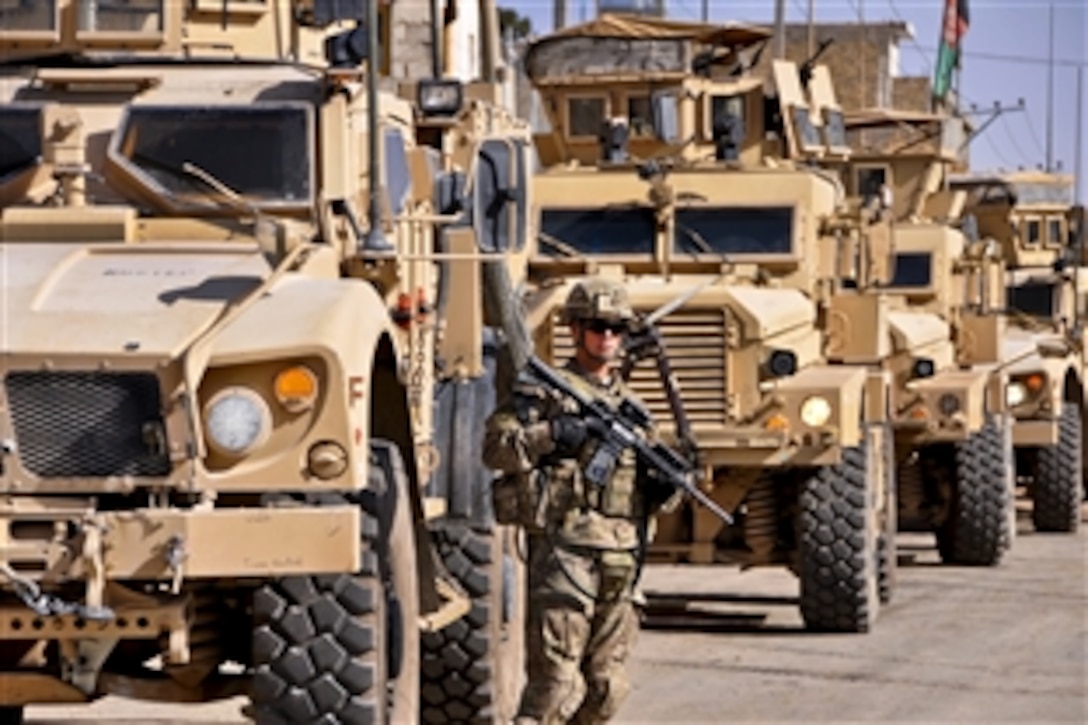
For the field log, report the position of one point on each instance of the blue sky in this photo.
(1002, 35)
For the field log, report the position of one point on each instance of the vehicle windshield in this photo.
(912, 269)
(1038, 299)
(730, 230)
(616, 230)
(20, 139)
(261, 152)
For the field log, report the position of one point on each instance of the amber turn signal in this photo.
(296, 388)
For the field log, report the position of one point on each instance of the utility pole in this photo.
(1050, 96)
(1078, 192)
(780, 29)
(559, 14)
(811, 50)
(706, 11)
(1078, 161)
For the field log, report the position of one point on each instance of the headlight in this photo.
(439, 98)
(948, 404)
(923, 368)
(781, 363)
(237, 420)
(815, 411)
(1015, 394)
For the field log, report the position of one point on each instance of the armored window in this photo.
(264, 152)
(626, 230)
(1054, 232)
(1033, 231)
(120, 16)
(1034, 298)
(20, 139)
(834, 128)
(870, 180)
(640, 116)
(1040, 193)
(398, 179)
(807, 135)
(27, 16)
(912, 269)
(585, 116)
(734, 231)
(727, 105)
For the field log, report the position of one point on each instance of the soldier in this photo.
(585, 542)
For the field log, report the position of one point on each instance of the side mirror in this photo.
(449, 193)
(666, 114)
(499, 201)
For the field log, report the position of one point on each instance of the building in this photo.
(864, 63)
(410, 51)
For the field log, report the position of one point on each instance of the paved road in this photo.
(957, 645)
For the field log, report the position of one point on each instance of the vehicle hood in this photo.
(1020, 350)
(114, 299)
(914, 330)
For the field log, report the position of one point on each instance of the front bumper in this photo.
(58, 540)
(1036, 433)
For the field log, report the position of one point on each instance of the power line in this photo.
(1008, 58)
(913, 40)
(1012, 139)
(997, 152)
(1031, 128)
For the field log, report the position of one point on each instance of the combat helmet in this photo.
(598, 299)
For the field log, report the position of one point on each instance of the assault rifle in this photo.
(617, 431)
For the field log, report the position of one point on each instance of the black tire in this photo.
(1057, 488)
(838, 547)
(11, 715)
(887, 564)
(472, 668)
(976, 530)
(344, 648)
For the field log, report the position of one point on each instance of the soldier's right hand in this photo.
(569, 432)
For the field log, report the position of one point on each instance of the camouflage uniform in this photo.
(584, 549)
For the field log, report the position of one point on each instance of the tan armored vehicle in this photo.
(245, 365)
(1031, 216)
(944, 327)
(671, 192)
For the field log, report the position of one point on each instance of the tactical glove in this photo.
(569, 433)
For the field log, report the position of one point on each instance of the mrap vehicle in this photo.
(246, 364)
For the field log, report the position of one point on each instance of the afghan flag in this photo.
(956, 19)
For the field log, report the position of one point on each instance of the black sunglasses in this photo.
(601, 326)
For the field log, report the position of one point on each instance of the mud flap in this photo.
(461, 409)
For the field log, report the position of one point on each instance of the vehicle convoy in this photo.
(246, 365)
(945, 326)
(1033, 218)
(718, 245)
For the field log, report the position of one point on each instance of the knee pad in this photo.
(552, 701)
(604, 697)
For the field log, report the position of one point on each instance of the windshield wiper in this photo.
(565, 249)
(695, 237)
(191, 173)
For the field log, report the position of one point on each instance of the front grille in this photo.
(695, 340)
(88, 424)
